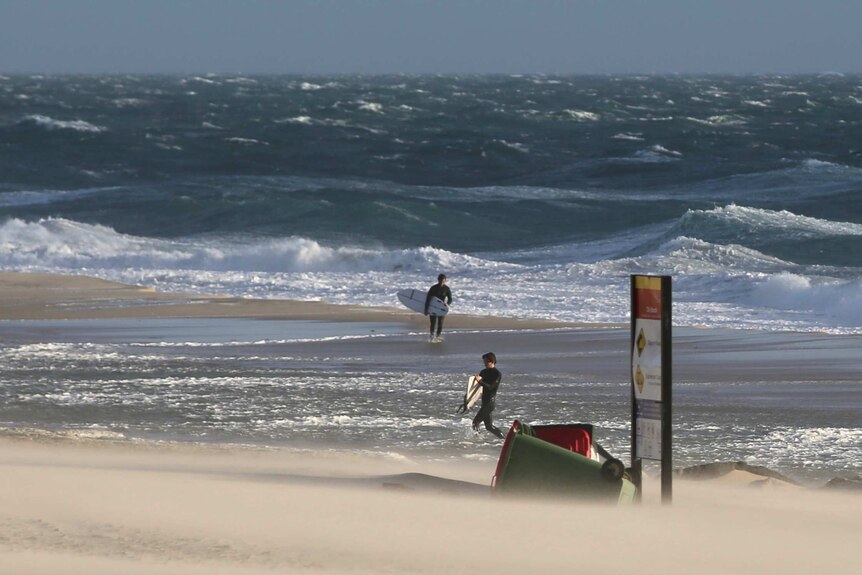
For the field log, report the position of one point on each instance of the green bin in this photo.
(535, 466)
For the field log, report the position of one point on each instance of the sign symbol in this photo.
(641, 342)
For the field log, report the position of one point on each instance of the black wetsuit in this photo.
(443, 293)
(490, 382)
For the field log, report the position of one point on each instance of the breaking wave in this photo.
(49, 123)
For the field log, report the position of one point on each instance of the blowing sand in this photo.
(93, 508)
(84, 505)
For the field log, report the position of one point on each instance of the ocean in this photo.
(536, 195)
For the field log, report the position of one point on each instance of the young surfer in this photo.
(489, 378)
(442, 292)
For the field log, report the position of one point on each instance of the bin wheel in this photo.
(613, 470)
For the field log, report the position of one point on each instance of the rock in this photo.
(718, 469)
(853, 483)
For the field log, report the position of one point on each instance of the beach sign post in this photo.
(651, 378)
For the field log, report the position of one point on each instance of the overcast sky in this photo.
(430, 36)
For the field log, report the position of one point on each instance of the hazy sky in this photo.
(431, 36)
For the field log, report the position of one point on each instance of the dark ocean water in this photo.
(536, 194)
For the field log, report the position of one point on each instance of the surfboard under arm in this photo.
(473, 394)
(415, 300)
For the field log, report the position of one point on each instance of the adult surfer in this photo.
(442, 292)
(489, 378)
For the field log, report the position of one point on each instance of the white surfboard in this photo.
(473, 394)
(415, 299)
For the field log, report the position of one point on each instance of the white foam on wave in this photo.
(517, 146)
(247, 141)
(50, 123)
(61, 243)
(338, 123)
(813, 164)
(713, 286)
(654, 154)
(658, 119)
(306, 120)
(201, 80)
(686, 256)
(784, 222)
(659, 149)
(627, 136)
(716, 256)
(721, 120)
(719, 285)
(371, 107)
(581, 115)
(241, 80)
(839, 299)
(734, 286)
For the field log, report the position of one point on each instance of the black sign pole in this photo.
(666, 394)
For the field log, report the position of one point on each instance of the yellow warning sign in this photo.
(646, 359)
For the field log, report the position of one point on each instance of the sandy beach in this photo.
(69, 507)
(73, 502)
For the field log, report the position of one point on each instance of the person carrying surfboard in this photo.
(442, 292)
(489, 378)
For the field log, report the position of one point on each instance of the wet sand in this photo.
(49, 296)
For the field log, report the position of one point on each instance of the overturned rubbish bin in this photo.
(559, 460)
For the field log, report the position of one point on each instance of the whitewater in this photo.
(716, 285)
(536, 195)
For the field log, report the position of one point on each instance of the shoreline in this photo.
(41, 296)
(35, 296)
